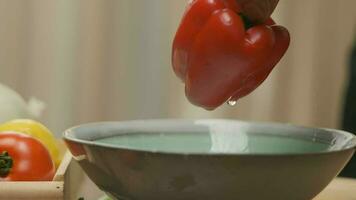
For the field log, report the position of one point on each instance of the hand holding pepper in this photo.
(222, 54)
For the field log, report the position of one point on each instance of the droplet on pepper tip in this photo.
(232, 102)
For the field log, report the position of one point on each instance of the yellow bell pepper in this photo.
(38, 131)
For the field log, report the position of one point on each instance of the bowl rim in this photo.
(350, 144)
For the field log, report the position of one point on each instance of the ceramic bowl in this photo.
(209, 159)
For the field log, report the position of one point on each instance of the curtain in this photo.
(99, 60)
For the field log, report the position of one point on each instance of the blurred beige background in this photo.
(95, 60)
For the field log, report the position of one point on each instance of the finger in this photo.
(258, 11)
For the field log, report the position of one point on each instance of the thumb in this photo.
(258, 11)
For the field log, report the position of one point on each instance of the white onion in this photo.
(13, 106)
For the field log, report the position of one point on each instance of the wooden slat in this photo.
(47, 190)
(59, 176)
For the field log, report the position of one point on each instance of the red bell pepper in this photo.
(221, 55)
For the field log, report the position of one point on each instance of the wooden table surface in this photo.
(339, 189)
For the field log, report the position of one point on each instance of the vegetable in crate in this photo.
(38, 131)
(24, 158)
(13, 106)
(221, 55)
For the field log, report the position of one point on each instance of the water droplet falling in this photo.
(232, 103)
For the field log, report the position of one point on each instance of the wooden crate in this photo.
(69, 183)
(41, 190)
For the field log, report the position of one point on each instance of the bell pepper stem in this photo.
(5, 164)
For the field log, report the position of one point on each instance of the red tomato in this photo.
(23, 158)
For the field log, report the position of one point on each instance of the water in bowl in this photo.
(204, 143)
